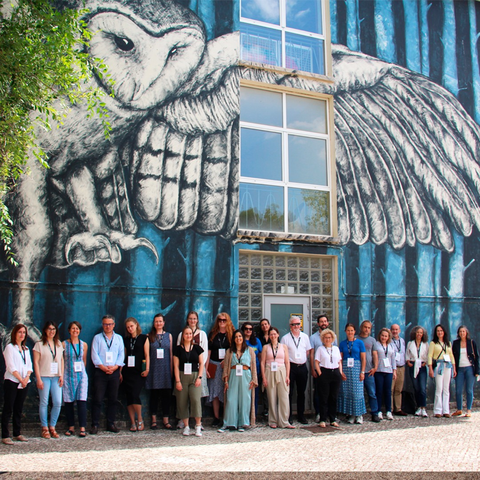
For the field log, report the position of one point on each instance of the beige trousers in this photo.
(397, 387)
(277, 392)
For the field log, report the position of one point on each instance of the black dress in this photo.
(133, 382)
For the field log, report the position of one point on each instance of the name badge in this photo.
(131, 361)
(109, 358)
(297, 355)
(386, 362)
(77, 366)
(187, 368)
(446, 357)
(221, 353)
(239, 370)
(24, 371)
(54, 368)
(160, 353)
(418, 362)
(274, 366)
(350, 362)
(397, 357)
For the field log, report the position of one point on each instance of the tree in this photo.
(44, 65)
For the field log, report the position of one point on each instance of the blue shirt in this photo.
(101, 345)
(316, 342)
(257, 348)
(352, 349)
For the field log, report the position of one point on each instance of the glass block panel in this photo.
(292, 288)
(256, 315)
(261, 106)
(243, 287)
(243, 300)
(268, 274)
(304, 288)
(262, 45)
(304, 275)
(261, 207)
(268, 287)
(243, 314)
(326, 277)
(315, 276)
(268, 260)
(256, 273)
(256, 287)
(280, 261)
(243, 272)
(256, 301)
(327, 289)
(326, 302)
(326, 264)
(316, 302)
(303, 262)
(314, 263)
(292, 261)
(292, 275)
(315, 289)
(243, 259)
(280, 288)
(280, 275)
(255, 260)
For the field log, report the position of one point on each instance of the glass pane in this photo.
(306, 114)
(261, 207)
(280, 315)
(305, 15)
(308, 211)
(304, 53)
(261, 154)
(307, 160)
(261, 45)
(260, 106)
(261, 10)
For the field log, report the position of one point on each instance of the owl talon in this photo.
(86, 249)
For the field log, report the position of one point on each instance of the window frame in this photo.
(283, 29)
(284, 183)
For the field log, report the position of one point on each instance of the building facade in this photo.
(267, 157)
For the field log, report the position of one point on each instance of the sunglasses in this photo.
(222, 320)
(248, 329)
(295, 324)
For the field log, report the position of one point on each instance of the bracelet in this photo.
(179, 381)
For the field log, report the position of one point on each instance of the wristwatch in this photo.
(200, 377)
(363, 373)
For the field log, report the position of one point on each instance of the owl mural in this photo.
(406, 149)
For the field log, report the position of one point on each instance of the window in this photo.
(285, 163)
(283, 33)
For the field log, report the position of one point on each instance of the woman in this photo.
(219, 341)
(275, 367)
(417, 357)
(188, 368)
(328, 364)
(386, 372)
(265, 328)
(239, 377)
(134, 373)
(159, 378)
(441, 364)
(351, 400)
(18, 368)
(256, 345)
(48, 367)
(199, 338)
(75, 381)
(465, 354)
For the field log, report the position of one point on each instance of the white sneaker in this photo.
(351, 419)
(359, 419)
(180, 425)
(389, 416)
(198, 430)
(317, 418)
(424, 412)
(380, 415)
(419, 412)
(186, 431)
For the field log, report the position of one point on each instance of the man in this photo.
(298, 346)
(397, 384)
(371, 368)
(108, 355)
(316, 342)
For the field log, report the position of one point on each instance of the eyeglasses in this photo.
(295, 324)
(52, 329)
(248, 329)
(108, 324)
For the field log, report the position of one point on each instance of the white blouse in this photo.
(17, 361)
(328, 357)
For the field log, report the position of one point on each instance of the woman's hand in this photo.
(454, 372)
(208, 373)
(252, 385)
(60, 380)
(287, 381)
(178, 386)
(24, 382)
(344, 377)
(225, 387)
(265, 383)
(394, 374)
(198, 382)
(144, 373)
(430, 371)
(409, 363)
(362, 377)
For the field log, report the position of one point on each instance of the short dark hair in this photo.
(108, 317)
(350, 325)
(322, 315)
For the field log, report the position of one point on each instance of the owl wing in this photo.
(406, 154)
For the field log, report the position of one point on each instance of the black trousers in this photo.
(299, 378)
(105, 384)
(329, 385)
(82, 413)
(165, 397)
(13, 399)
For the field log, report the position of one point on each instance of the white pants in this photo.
(441, 404)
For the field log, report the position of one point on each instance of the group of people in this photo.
(233, 368)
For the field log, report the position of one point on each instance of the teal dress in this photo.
(239, 396)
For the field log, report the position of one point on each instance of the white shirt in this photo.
(14, 362)
(328, 358)
(297, 347)
(399, 348)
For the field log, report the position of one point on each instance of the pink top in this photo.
(280, 355)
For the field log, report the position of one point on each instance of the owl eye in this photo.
(173, 52)
(124, 43)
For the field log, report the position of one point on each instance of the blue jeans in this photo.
(465, 377)
(420, 386)
(369, 384)
(383, 385)
(50, 386)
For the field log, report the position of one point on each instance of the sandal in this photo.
(45, 433)
(53, 432)
(133, 427)
(141, 427)
(70, 432)
(272, 426)
(167, 426)
(153, 426)
(82, 434)
(334, 424)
